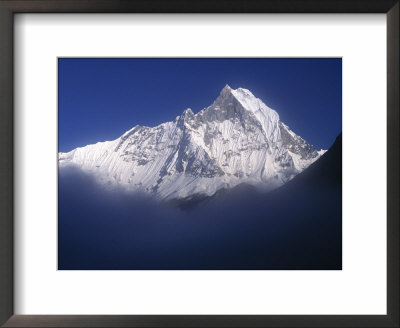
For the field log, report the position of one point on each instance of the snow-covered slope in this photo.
(235, 140)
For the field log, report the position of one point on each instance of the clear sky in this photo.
(101, 98)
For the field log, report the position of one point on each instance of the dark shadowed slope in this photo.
(326, 172)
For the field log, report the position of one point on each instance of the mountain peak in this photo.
(239, 93)
(188, 111)
(186, 115)
(225, 91)
(237, 139)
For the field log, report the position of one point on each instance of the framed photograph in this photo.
(207, 189)
(184, 164)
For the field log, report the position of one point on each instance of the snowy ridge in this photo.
(235, 140)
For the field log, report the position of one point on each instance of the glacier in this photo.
(237, 139)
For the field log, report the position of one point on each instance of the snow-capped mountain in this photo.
(238, 139)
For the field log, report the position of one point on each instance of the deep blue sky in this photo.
(101, 98)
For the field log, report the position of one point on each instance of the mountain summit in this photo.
(238, 139)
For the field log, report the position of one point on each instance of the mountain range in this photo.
(237, 140)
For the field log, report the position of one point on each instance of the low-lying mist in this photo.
(101, 229)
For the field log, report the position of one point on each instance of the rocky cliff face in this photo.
(238, 139)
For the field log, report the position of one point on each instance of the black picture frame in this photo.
(10, 7)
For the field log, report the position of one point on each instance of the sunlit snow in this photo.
(238, 139)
